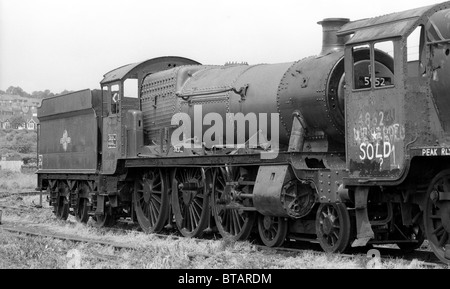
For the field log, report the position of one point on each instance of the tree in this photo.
(17, 120)
(16, 90)
(18, 142)
(24, 142)
(65, 91)
(42, 94)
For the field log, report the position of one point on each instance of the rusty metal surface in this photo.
(375, 116)
(276, 88)
(158, 102)
(382, 31)
(330, 41)
(279, 193)
(311, 86)
(267, 193)
(440, 66)
(263, 82)
(392, 25)
(66, 103)
(328, 183)
(214, 88)
(111, 144)
(140, 69)
(69, 133)
(385, 125)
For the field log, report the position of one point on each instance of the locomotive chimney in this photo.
(330, 41)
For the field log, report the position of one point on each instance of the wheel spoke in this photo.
(236, 220)
(196, 207)
(443, 239)
(435, 214)
(154, 213)
(156, 200)
(438, 230)
(151, 214)
(229, 222)
(194, 222)
(333, 227)
(191, 206)
(335, 234)
(157, 192)
(446, 184)
(185, 216)
(195, 213)
(157, 185)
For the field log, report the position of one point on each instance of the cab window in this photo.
(115, 98)
(361, 66)
(373, 65)
(130, 88)
(384, 54)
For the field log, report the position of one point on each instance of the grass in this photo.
(152, 251)
(155, 253)
(13, 182)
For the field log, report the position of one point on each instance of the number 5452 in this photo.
(379, 81)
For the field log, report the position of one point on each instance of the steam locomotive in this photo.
(350, 147)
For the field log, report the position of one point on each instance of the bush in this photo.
(16, 181)
(7, 174)
(18, 143)
(30, 160)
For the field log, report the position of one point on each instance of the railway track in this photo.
(18, 229)
(4, 194)
(19, 195)
(291, 249)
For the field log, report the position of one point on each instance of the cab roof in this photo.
(135, 70)
(399, 24)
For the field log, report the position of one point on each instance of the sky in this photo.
(71, 44)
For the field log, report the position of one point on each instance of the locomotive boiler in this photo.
(348, 147)
(311, 90)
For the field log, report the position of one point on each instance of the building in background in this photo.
(18, 112)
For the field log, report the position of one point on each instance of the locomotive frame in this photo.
(372, 169)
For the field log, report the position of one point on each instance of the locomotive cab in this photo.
(387, 91)
(122, 120)
(397, 123)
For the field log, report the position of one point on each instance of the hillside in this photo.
(18, 144)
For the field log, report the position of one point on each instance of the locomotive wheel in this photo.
(105, 220)
(62, 203)
(414, 232)
(82, 209)
(62, 208)
(333, 227)
(151, 201)
(231, 223)
(190, 201)
(272, 230)
(108, 218)
(437, 216)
